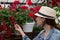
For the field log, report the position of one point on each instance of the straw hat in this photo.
(46, 12)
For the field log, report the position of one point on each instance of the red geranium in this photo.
(0, 7)
(1, 37)
(4, 27)
(29, 2)
(13, 8)
(38, 8)
(34, 10)
(16, 2)
(13, 19)
(58, 1)
(32, 15)
(8, 32)
(0, 29)
(53, 3)
(24, 7)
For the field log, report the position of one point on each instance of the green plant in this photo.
(8, 17)
(23, 17)
(57, 15)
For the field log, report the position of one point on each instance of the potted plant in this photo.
(58, 16)
(25, 20)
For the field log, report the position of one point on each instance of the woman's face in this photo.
(40, 21)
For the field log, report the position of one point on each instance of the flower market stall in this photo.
(22, 15)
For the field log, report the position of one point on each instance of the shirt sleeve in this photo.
(26, 37)
(36, 38)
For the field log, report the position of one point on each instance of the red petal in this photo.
(29, 2)
(12, 18)
(15, 22)
(58, 1)
(24, 7)
(34, 10)
(38, 8)
(8, 32)
(0, 7)
(16, 2)
(32, 15)
(4, 26)
(0, 29)
(53, 3)
(1, 37)
(13, 7)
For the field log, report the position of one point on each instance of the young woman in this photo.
(45, 18)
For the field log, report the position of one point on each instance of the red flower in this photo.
(32, 15)
(53, 3)
(4, 27)
(0, 7)
(38, 8)
(58, 1)
(13, 8)
(8, 32)
(13, 20)
(1, 37)
(34, 10)
(24, 7)
(29, 2)
(16, 2)
(0, 29)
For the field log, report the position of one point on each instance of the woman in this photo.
(45, 18)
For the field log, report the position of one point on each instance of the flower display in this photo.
(58, 15)
(13, 15)
(16, 2)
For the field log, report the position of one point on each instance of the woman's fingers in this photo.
(17, 27)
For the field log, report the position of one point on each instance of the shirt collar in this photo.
(50, 33)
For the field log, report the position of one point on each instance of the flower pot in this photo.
(28, 27)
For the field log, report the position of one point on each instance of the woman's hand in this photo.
(18, 28)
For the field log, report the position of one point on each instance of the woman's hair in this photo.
(51, 22)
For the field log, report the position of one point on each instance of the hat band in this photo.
(45, 15)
